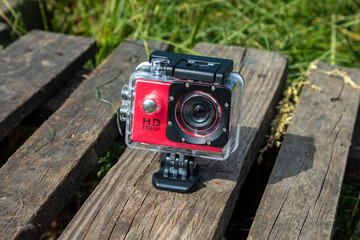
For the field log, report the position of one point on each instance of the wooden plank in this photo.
(55, 101)
(33, 67)
(34, 186)
(301, 197)
(353, 165)
(126, 206)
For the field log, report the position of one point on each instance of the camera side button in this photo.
(149, 105)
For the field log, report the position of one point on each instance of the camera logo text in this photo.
(150, 124)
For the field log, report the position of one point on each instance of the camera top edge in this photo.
(200, 68)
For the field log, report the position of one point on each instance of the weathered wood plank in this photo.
(55, 101)
(35, 186)
(33, 67)
(126, 206)
(301, 197)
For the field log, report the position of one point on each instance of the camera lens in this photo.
(199, 113)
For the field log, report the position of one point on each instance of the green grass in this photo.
(306, 31)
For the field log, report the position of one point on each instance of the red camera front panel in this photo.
(151, 128)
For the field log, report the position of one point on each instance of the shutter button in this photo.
(149, 105)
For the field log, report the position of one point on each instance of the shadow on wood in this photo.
(303, 147)
(300, 151)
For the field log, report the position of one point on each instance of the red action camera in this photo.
(181, 114)
(183, 105)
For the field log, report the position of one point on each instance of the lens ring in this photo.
(198, 114)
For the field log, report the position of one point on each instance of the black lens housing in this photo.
(198, 112)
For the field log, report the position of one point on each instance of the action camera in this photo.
(186, 106)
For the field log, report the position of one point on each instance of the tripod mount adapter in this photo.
(178, 173)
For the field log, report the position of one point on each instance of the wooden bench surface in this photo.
(126, 206)
(33, 67)
(302, 194)
(59, 97)
(35, 186)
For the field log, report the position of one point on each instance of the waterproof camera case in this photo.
(183, 105)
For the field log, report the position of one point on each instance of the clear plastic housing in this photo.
(145, 70)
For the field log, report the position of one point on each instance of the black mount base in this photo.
(178, 173)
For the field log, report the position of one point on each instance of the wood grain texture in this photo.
(301, 197)
(33, 67)
(58, 98)
(126, 206)
(35, 186)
